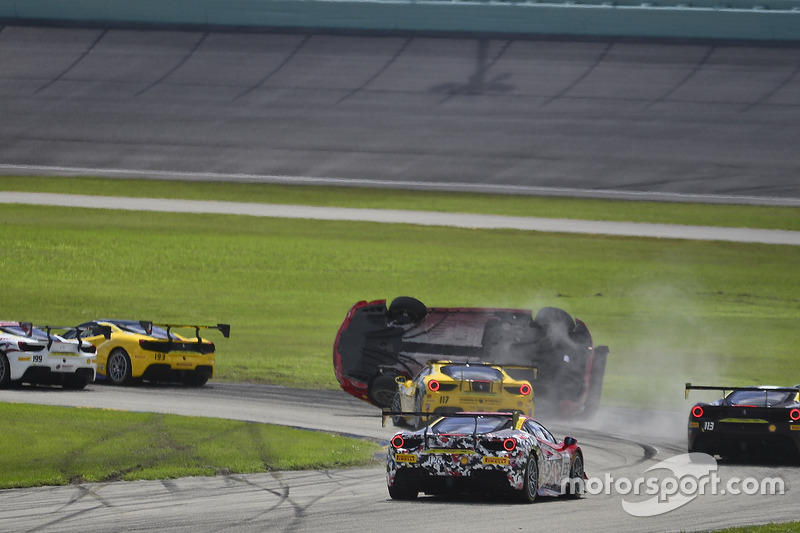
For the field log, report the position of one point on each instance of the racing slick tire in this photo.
(195, 379)
(417, 422)
(397, 420)
(402, 491)
(382, 390)
(75, 383)
(406, 310)
(575, 485)
(5, 372)
(118, 367)
(530, 484)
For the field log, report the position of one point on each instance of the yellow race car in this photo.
(140, 350)
(449, 387)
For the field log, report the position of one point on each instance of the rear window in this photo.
(765, 398)
(469, 424)
(472, 373)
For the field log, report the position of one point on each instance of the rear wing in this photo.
(224, 328)
(385, 414)
(533, 369)
(105, 331)
(725, 390)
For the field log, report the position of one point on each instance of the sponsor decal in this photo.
(495, 460)
(405, 458)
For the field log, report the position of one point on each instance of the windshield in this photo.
(762, 398)
(472, 373)
(467, 424)
(16, 330)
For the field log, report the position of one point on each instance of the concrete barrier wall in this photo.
(771, 20)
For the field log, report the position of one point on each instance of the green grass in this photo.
(512, 205)
(789, 527)
(103, 445)
(672, 311)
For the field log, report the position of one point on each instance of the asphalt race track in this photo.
(543, 116)
(618, 443)
(674, 121)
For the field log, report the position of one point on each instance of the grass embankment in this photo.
(45, 445)
(672, 311)
(763, 217)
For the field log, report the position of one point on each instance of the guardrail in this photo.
(771, 20)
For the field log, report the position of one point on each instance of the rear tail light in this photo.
(88, 348)
(794, 414)
(397, 441)
(697, 411)
(525, 390)
(510, 444)
(433, 385)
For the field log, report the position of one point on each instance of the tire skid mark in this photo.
(689, 75)
(380, 71)
(62, 513)
(178, 65)
(477, 83)
(275, 70)
(576, 81)
(785, 83)
(74, 63)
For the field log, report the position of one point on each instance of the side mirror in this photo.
(570, 441)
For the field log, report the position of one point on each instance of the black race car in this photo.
(761, 423)
(376, 344)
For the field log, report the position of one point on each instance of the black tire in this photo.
(418, 421)
(382, 390)
(530, 485)
(553, 318)
(118, 367)
(5, 372)
(406, 310)
(403, 491)
(397, 420)
(75, 383)
(575, 487)
(195, 379)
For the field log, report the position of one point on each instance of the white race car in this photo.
(36, 355)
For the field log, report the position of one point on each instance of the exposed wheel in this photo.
(406, 310)
(575, 486)
(118, 367)
(382, 390)
(418, 421)
(397, 420)
(403, 490)
(553, 318)
(5, 372)
(530, 486)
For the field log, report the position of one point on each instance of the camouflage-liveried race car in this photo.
(376, 344)
(491, 453)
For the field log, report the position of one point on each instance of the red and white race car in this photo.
(34, 355)
(377, 344)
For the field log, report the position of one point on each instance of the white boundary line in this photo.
(454, 186)
(424, 218)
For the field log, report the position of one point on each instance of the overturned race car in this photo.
(377, 344)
